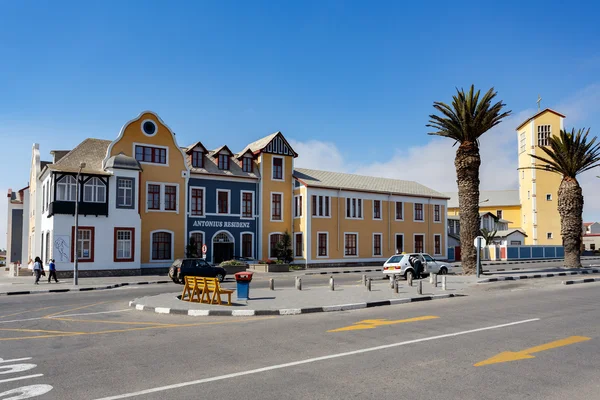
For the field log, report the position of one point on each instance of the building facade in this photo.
(17, 231)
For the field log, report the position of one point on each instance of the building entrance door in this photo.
(222, 247)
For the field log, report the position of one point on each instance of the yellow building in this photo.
(533, 207)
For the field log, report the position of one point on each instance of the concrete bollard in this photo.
(298, 283)
(392, 280)
(364, 280)
(369, 284)
(409, 278)
(443, 282)
(431, 278)
(395, 286)
(271, 284)
(331, 284)
(420, 288)
(435, 281)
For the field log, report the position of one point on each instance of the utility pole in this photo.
(76, 238)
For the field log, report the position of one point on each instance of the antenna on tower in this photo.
(539, 100)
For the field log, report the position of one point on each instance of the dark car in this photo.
(194, 267)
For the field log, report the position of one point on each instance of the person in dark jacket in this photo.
(38, 270)
(417, 265)
(52, 269)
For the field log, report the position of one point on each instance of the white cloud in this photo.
(432, 164)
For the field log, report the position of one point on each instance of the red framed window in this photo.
(299, 243)
(350, 244)
(224, 162)
(161, 246)
(437, 244)
(377, 245)
(124, 244)
(247, 245)
(418, 212)
(247, 205)
(376, 209)
(436, 213)
(247, 164)
(84, 245)
(197, 159)
(399, 210)
(170, 198)
(153, 197)
(148, 154)
(273, 240)
(277, 168)
(322, 245)
(419, 243)
(223, 202)
(197, 201)
(276, 207)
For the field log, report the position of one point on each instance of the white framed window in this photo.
(549, 235)
(544, 132)
(399, 211)
(197, 201)
(321, 206)
(298, 206)
(66, 188)
(522, 142)
(377, 210)
(276, 207)
(223, 201)
(274, 239)
(437, 245)
(247, 244)
(124, 239)
(418, 212)
(277, 168)
(399, 243)
(247, 204)
(499, 214)
(162, 197)
(94, 191)
(322, 244)
(437, 213)
(354, 208)
(151, 154)
(419, 243)
(548, 197)
(377, 245)
(84, 245)
(350, 244)
(125, 192)
(198, 241)
(298, 244)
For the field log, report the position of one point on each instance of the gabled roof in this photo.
(216, 152)
(507, 232)
(90, 151)
(490, 198)
(337, 180)
(540, 113)
(122, 161)
(240, 155)
(259, 145)
(210, 167)
(58, 154)
(191, 147)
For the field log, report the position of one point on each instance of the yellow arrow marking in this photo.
(507, 356)
(374, 323)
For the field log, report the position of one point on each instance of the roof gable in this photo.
(221, 150)
(198, 146)
(90, 151)
(540, 113)
(275, 143)
(247, 153)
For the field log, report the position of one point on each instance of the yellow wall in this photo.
(300, 224)
(268, 186)
(509, 213)
(365, 228)
(155, 220)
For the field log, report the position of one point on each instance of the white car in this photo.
(399, 265)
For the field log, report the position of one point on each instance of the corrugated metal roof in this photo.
(489, 198)
(338, 180)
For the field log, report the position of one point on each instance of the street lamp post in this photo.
(76, 258)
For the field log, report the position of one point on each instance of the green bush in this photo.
(231, 263)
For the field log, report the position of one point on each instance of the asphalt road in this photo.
(92, 346)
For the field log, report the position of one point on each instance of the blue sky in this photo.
(358, 76)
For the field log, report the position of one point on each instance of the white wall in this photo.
(25, 250)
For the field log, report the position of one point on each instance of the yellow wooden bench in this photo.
(195, 288)
(213, 286)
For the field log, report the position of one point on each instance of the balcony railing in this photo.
(68, 207)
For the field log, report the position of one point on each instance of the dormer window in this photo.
(223, 162)
(247, 164)
(197, 159)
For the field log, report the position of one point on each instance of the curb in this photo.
(84, 289)
(588, 280)
(288, 311)
(344, 271)
(537, 276)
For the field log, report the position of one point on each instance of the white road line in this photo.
(308, 361)
(65, 315)
(15, 359)
(21, 377)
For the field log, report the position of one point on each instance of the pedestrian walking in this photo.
(38, 270)
(52, 271)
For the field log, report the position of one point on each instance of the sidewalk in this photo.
(310, 299)
(25, 284)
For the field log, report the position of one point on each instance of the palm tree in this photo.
(465, 121)
(569, 154)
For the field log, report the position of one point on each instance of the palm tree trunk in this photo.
(570, 208)
(467, 164)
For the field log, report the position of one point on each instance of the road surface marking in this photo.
(34, 330)
(18, 378)
(27, 311)
(508, 356)
(93, 313)
(15, 359)
(374, 323)
(308, 361)
(108, 321)
(26, 392)
(67, 315)
(79, 308)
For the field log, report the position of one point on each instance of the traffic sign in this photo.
(482, 243)
(204, 249)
